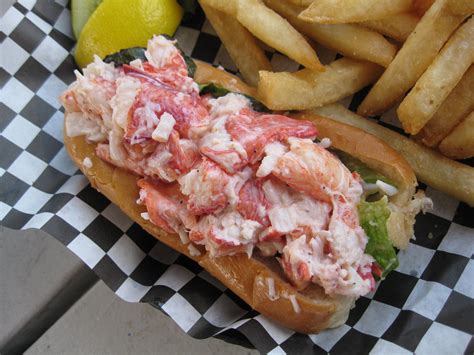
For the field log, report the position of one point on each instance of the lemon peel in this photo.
(119, 24)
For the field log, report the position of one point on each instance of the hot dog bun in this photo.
(308, 311)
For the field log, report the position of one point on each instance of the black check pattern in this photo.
(32, 74)
(430, 295)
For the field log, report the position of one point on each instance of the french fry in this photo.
(438, 80)
(229, 7)
(306, 88)
(461, 7)
(412, 59)
(456, 106)
(346, 11)
(421, 6)
(276, 32)
(459, 144)
(350, 40)
(271, 29)
(304, 3)
(431, 168)
(397, 26)
(241, 45)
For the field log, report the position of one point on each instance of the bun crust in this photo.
(249, 278)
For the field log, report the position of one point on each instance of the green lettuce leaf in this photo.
(190, 64)
(125, 56)
(213, 89)
(367, 174)
(373, 218)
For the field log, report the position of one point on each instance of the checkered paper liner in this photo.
(425, 306)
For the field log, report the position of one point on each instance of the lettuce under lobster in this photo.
(373, 218)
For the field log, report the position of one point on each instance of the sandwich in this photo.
(297, 214)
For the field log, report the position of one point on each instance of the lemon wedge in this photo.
(119, 24)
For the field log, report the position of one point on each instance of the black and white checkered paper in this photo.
(425, 306)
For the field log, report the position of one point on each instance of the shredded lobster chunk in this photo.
(311, 169)
(254, 131)
(163, 204)
(222, 175)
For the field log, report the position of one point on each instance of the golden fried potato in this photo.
(347, 11)
(275, 31)
(351, 40)
(416, 54)
(239, 42)
(307, 88)
(459, 144)
(438, 80)
(461, 7)
(397, 26)
(421, 6)
(456, 106)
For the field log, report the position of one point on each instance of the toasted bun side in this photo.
(248, 278)
(380, 157)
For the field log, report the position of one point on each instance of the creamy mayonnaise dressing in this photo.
(273, 152)
(157, 164)
(127, 89)
(291, 210)
(78, 124)
(227, 233)
(292, 198)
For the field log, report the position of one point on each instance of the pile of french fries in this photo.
(417, 54)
